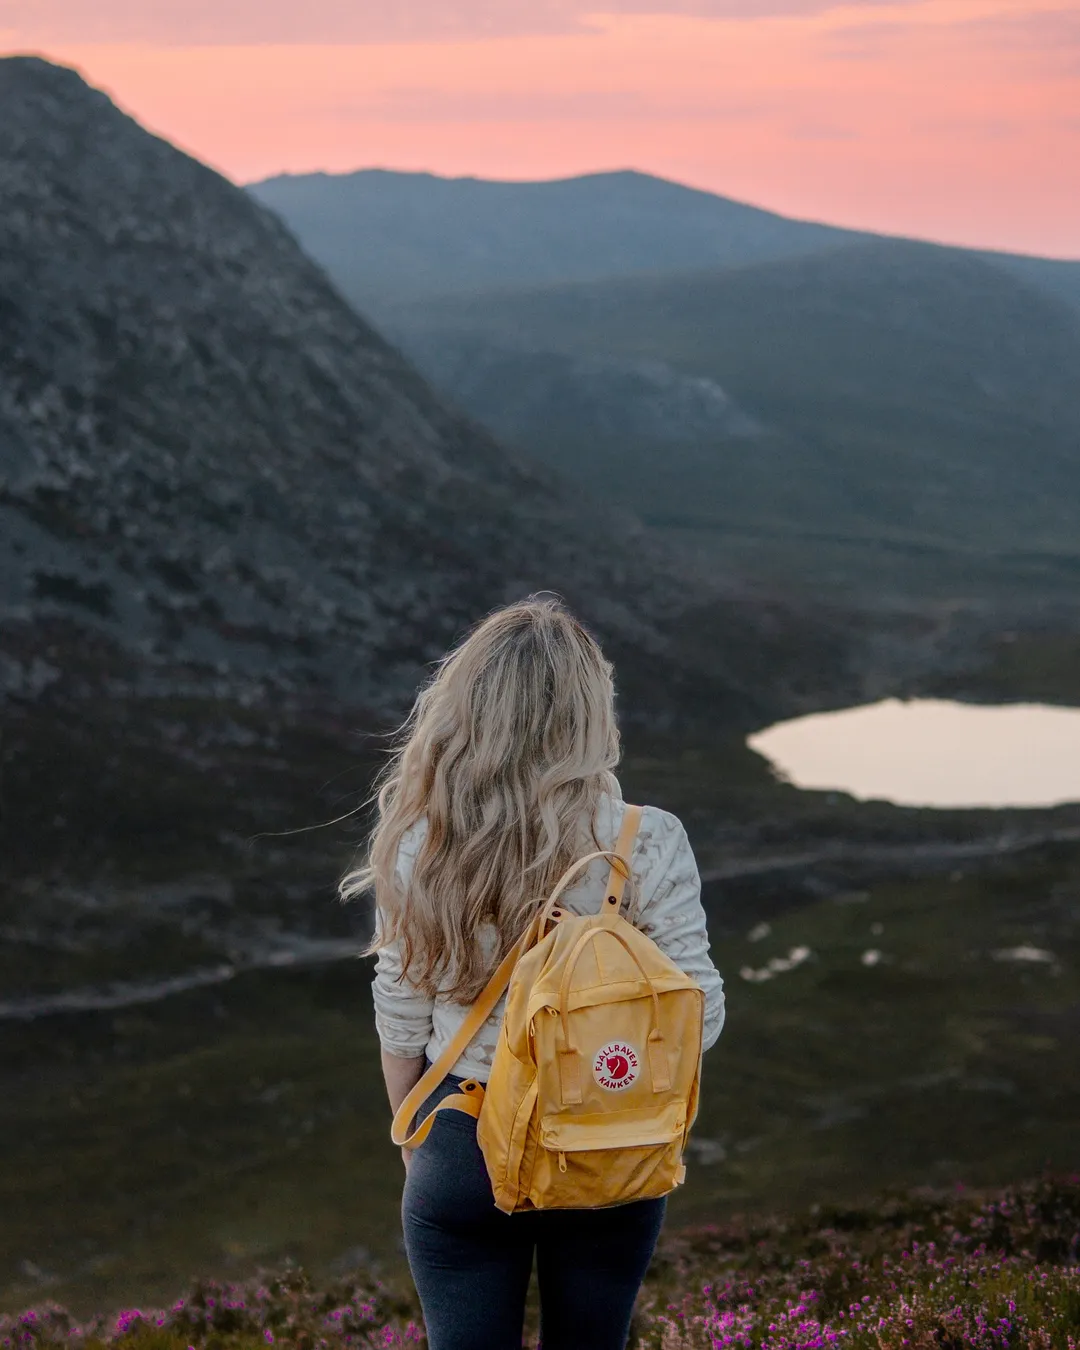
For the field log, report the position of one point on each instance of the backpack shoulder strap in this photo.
(620, 864)
(474, 1020)
(619, 858)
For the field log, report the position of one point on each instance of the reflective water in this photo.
(931, 752)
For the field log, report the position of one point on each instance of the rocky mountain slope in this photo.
(236, 526)
(525, 395)
(211, 462)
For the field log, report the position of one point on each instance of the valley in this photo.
(902, 985)
(880, 421)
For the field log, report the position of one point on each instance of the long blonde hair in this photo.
(506, 754)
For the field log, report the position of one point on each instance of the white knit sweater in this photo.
(668, 909)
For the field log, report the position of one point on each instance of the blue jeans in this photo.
(471, 1264)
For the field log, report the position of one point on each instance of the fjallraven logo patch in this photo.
(616, 1066)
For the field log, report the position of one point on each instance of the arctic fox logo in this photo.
(616, 1066)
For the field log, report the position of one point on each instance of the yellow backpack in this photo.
(594, 1084)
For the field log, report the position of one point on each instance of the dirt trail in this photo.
(900, 856)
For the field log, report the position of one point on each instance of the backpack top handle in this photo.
(619, 857)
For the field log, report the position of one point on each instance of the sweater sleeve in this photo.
(403, 1014)
(671, 913)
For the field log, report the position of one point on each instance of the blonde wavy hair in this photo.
(506, 754)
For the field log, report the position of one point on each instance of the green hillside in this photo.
(917, 411)
(233, 1126)
(870, 418)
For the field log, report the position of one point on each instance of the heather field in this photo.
(923, 1270)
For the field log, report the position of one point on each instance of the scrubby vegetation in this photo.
(924, 1271)
(920, 1271)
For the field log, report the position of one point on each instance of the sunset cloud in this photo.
(1051, 36)
(510, 106)
(947, 119)
(318, 22)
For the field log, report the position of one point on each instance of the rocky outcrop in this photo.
(520, 393)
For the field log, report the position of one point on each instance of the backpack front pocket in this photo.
(610, 1157)
(640, 1127)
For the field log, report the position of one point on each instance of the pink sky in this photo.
(956, 120)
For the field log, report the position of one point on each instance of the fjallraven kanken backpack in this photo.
(594, 1084)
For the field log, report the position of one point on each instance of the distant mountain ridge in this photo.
(389, 237)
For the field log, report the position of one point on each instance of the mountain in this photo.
(210, 458)
(390, 237)
(910, 416)
(1054, 276)
(226, 503)
(839, 414)
(901, 420)
(387, 237)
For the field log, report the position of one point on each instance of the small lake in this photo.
(931, 752)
